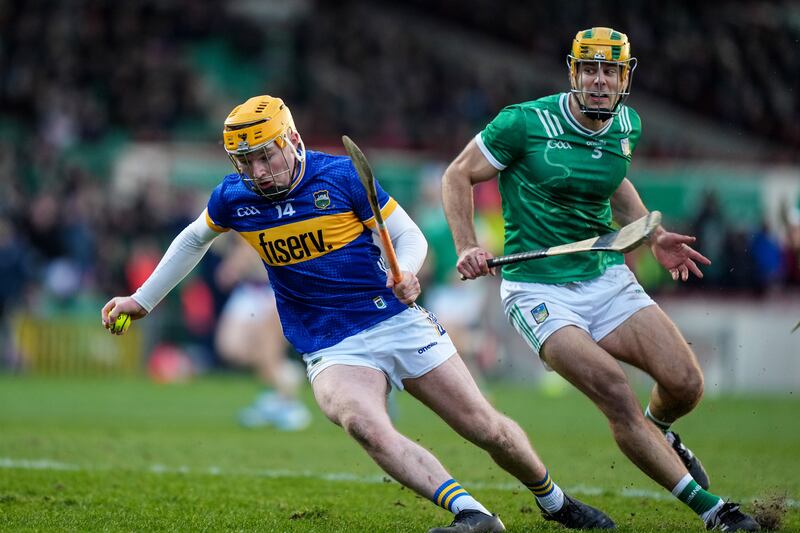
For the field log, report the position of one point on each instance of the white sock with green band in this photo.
(660, 424)
(700, 501)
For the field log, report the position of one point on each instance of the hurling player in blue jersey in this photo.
(308, 217)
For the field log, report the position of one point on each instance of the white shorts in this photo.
(597, 306)
(250, 301)
(461, 305)
(407, 345)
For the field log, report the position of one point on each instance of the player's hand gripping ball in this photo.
(122, 324)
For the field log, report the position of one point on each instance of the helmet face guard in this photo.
(602, 48)
(271, 185)
(259, 131)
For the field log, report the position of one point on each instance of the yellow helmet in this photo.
(603, 46)
(255, 125)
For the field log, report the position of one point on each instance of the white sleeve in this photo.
(409, 242)
(186, 250)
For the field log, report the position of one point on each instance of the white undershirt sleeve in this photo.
(186, 250)
(408, 241)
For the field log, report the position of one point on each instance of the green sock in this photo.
(689, 492)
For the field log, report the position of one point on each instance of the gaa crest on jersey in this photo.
(626, 146)
(322, 199)
(540, 313)
(379, 303)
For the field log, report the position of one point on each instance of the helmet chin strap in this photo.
(600, 114)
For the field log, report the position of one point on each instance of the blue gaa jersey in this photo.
(316, 244)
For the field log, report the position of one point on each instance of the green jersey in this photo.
(556, 181)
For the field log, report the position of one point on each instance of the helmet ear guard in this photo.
(601, 46)
(256, 125)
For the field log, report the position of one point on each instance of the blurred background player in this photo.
(249, 334)
(562, 162)
(462, 307)
(307, 215)
(791, 216)
(792, 221)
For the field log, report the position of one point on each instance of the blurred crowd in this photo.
(75, 74)
(86, 77)
(399, 85)
(733, 62)
(751, 260)
(78, 71)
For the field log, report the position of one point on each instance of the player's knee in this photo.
(508, 434)
(690, 389)
(618, 402)
(685, 385)
(488, 433)
(480, 425)
(496, 432)
(370, 434)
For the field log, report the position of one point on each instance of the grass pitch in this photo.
(127, 455)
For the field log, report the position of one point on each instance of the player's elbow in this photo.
(420, 242)
(412, 248)
(456, 174)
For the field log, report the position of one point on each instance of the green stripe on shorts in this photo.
(518, 318)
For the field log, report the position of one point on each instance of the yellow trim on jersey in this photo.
(386, 210)
(213, 225)
(300, 241)
(300, 175)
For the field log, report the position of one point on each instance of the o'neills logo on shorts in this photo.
(426, 348)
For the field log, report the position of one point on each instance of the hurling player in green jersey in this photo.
(562, 163)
